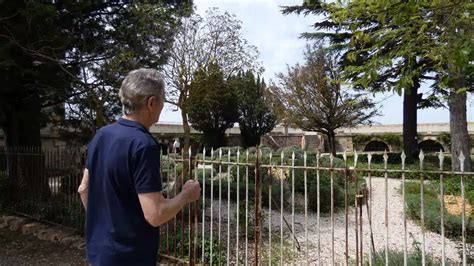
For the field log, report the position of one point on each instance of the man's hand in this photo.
(191, 190)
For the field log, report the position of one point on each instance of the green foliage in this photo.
(387, 46)
(315, 101)
(389, 138)
(64, 61)
(194, 49)
(277, 251)
(288, 151)
(255, 116)
(167, 163)
(183, 244)
(452, 223)
(452, 186)
(212, 105)
(324, 183)
(445, 138)
(396, 257)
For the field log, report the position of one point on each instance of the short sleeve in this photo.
(146, 170)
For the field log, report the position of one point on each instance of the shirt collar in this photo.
(130, 123)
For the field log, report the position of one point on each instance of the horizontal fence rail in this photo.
(288, 207)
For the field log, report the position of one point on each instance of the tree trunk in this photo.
(458, 128)
(410, 142)
(187, 142)
(22, 136)
(332, 142)
(214, 138)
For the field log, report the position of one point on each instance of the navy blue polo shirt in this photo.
(123, 160)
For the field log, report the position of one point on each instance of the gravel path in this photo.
(433, 243)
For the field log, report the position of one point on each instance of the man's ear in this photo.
(151, 101)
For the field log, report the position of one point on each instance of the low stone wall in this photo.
(56, 234)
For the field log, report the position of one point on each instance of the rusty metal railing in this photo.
(286, 208)
(294, 234)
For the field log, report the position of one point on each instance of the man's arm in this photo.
(158, 210)
(84, 187)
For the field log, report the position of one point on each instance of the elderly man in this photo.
(121, 186)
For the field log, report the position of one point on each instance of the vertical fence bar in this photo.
(441, 191)
(219, 207)
(212, 205)
(203, 204)
(405, 237)
(281, 208)
(369, 210)
(331, 162)
(356, 213)
(168, 196)
(385, 160)
(356, 157)
(175, 224)
(306, 207)
(318, 210)
(238, 210)
(270, 212)
(181, 179)
(196, 212)
(292, 207)
(192, 260)
(258, 205)
(346, 214)
(247, 204)
(228, 207)
(421, 156)
(463, 213)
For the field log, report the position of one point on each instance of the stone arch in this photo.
(376, 145)
(430, 145)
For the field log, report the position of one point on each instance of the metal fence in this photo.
(293, 207)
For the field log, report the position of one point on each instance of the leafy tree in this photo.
(212, 105)
(114, 40)
(215, 38)
(28, 28)
(315, 100)
(64, 58)
(395, 46)
(451, 28)
(370, 53)
(256, 118)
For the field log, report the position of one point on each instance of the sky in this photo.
(277, 38)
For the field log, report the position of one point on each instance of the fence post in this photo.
(258, 193)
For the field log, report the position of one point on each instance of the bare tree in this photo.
(201, 41)
(315, 100)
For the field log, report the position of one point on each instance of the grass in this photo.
(396, 257)
(432, 210)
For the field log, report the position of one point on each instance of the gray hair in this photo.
(138, 86)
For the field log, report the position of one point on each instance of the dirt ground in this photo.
(19, 249)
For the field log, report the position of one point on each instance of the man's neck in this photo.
(137, 119)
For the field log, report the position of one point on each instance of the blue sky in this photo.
(277, 38)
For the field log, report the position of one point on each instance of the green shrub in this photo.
(233, 150)
(432, 210)
(452, 186)
(167, 163)
(377, 158)
(325, 183)
(201, 173)
(396, 257)
(288, 151)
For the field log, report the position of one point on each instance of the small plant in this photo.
(396, 257)
(277, 250)
(432, 210)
